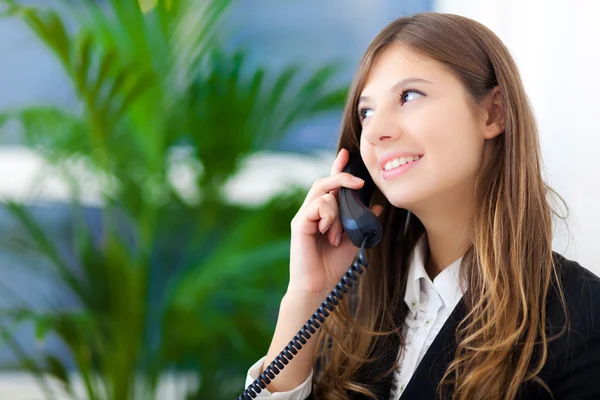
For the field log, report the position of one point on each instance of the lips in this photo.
(399, 170)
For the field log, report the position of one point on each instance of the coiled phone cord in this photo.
(358, 266)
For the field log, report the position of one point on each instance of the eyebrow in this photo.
(397, 86)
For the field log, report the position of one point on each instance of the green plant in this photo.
(174, 277)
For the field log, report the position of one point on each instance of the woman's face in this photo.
(410, 107)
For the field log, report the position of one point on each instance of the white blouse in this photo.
(430, 304)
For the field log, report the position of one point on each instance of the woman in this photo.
(464, 297)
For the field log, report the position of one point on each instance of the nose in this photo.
(382, 126)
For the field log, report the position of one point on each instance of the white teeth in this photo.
(396, 162)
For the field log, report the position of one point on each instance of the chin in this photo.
(406, 200)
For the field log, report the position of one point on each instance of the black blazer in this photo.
(572, 368)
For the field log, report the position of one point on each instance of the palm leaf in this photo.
(55, 131)
(45, 246)
(8, 339)
(45, 24)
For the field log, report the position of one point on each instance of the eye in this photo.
(364, 112)
(410, 94)
(406, 96)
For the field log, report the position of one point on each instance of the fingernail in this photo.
(337, 239)
(357, 180)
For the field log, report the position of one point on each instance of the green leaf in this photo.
(3, 119)
(47, 25)
(26, 361)
(44, 244)
(225, 266)
(58, 370)
(330, 101)
(281, 85)
(82, 60)
(194, 38)
(140, 84)
(52, 129)
(42, 328)
(107, 67)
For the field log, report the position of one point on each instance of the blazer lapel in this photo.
(429, 372)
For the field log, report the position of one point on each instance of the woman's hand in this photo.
(319, 252)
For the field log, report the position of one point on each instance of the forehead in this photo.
(398, 62)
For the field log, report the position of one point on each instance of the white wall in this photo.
(556, 44)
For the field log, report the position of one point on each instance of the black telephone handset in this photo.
(357, 218)
(364, 230)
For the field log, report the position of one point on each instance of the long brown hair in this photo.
(508, 267)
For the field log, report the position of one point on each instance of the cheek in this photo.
(455, 148)
(453, 152)
(369, 157)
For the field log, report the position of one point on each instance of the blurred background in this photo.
(153, 153)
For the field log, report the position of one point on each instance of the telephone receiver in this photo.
(364, 230)
(358, 220)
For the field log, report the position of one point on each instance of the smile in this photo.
(400, 161)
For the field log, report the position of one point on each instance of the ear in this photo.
(492, 114)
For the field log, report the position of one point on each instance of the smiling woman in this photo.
(465, 298)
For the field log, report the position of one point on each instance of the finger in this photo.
(328, 208)
(325, 223)
(340, 162)
(335, 193)
(327, 184)
(338, 166)
(319, 210)
(335, 231)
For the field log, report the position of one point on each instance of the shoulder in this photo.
(571, 272)
(580, 286)
(581, 289)
(573, 364)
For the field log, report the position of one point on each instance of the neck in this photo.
(448, 228)
(445, 247)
